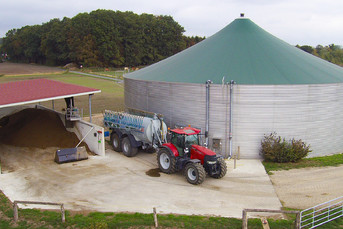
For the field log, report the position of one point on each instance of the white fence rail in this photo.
(322, 213)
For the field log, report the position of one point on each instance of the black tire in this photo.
(116, 142)
(166, 161)
(195, 173)
(222, 168)
(127, 148)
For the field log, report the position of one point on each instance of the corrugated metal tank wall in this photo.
(181, 104)
(312, 113)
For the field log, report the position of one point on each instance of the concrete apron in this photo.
(115, 183)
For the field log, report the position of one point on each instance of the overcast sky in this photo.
(304, 22)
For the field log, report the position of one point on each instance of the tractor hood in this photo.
(204, 150)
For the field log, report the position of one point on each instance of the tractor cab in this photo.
(184, 138)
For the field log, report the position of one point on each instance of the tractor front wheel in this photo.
(116, 142)
(222, 169)
(127, 148)
(166, 161)
(195, 173)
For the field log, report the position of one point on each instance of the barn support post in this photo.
(208, 82)
(231, 112)
(90, 107)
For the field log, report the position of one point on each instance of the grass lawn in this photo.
(333, 160)
(33, 218)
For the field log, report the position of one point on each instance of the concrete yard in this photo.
(116, 183)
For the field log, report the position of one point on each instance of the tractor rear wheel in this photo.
(127, 148)
(116, 142)
(195, 173)
(222, 169)
(166, 161)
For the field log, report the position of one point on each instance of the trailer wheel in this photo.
(222, 168)
(116, 142)
(195, 173)
(127, 148)
(166, 161)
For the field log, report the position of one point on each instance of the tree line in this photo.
(106, 38)
(101, 38)
(332, 53)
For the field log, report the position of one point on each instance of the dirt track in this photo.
(8, 68)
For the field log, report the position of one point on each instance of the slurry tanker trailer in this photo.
(131, 132)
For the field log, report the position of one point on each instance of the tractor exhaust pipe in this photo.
(208, 82)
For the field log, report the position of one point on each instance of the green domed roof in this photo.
(245, 53)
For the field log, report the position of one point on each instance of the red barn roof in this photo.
(39, 90)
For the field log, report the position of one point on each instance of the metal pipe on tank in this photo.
(90, 107)
(208, 82)
(226, 119)
(231, 112)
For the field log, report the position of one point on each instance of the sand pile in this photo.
(36, 128)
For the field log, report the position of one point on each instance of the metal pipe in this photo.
(230, 129)
(90, 107)
(226, 119)
(208, 82)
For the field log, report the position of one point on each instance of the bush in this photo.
(277, 149)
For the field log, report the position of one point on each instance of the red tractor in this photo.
(184, 152)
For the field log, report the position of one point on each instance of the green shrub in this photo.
(277, 149)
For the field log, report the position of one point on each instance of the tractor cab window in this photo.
(191, 140)
(178, 141)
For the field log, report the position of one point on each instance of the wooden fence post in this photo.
(155, 217)
(297, 221)
(244, 220)
(63, 213)
(15, 211)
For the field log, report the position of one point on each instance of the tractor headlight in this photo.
(211, 162)
(186, 150)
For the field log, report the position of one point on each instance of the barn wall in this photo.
(312, 113)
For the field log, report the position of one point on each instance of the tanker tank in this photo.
(141, 131)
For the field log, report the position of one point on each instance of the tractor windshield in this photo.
(191, 140)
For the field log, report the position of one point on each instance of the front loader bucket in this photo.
(71, 154)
